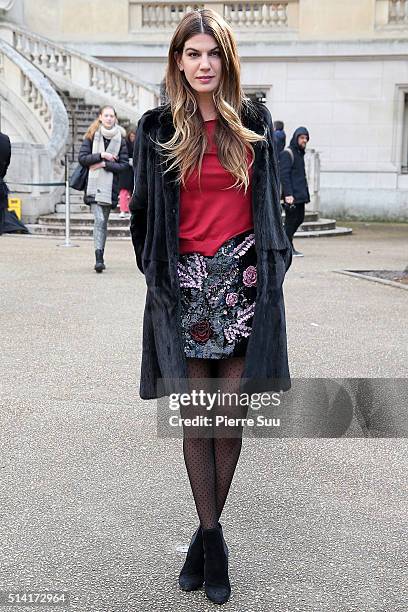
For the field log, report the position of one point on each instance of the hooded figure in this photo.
(292, 170)
(294, 183)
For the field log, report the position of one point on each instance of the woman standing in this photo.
(207, 233)
(126, 178)
(105, 153)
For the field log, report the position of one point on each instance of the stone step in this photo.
(338, 231)
(310, 215)
(122, 231)
(84, 112)
(76, 199)
(76, 208)
(86, 231)
(82, 107)
(76, 144)
(82, 219)
(82, 225)
(320, 224)
(82, 119)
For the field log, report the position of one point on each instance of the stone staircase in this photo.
(315, 226)
(82, 224)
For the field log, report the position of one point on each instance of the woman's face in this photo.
(132, 137)
(107, 118)
(201, 63)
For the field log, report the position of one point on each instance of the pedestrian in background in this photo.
(294, 183)
(279, 136)
(126, 178)
(5, 157)
(105, 153)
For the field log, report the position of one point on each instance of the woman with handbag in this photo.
(104, 152)
(208, 236)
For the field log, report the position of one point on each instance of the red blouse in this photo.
(212, 216)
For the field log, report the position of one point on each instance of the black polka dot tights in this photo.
(211, 459)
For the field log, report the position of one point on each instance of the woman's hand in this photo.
(109, 156)
(97, 166)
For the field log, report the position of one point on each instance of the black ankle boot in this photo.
(99, 265)
(217, 585)
(192, 573)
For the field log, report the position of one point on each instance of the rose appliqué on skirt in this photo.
(218, 297)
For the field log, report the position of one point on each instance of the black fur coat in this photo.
(154, 229)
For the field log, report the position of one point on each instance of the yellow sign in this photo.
(15, 204)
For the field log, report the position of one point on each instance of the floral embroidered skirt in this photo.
(218, 296)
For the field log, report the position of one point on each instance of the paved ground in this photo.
(93, 503)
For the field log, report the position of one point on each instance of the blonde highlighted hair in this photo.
(96, 124)
(185, 150)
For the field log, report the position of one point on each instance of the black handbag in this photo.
(79, 178)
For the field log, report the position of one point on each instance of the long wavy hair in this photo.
(96, 124)
(185, 150)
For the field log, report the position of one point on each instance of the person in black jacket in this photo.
(105, 154)
(279, 136)
(126, 179)
(294, 183)
(5, 157)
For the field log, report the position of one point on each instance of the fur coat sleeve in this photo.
(138, 202)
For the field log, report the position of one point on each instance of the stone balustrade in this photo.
(40, 119)
(115, 85)
(269, 15)
(398, 11)
(158, 15)
(81, 74)
(44, 54)
(30, 87)
(6, 5)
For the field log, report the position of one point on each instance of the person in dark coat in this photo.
(105, 153)
(192, 260)
(208, 124)
(126, 180)
(279, 136)
(294, 183)
(5, 157)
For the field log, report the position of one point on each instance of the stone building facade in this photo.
(340, 68)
